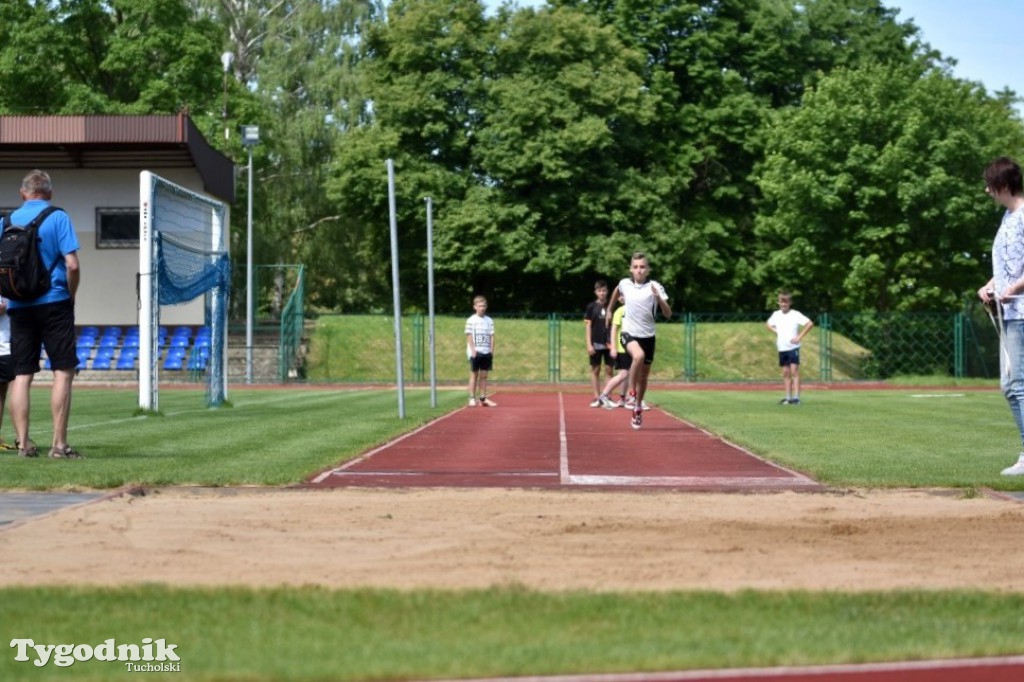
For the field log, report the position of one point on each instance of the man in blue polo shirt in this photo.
(48, 320)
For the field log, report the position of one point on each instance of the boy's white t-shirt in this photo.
(482, 329)
(640, 306)
(787, 326)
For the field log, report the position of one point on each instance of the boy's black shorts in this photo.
(647, 344)
(49, 324)
(623, 361)
(482, 362)
(789, 357)
(6, 369)
(600, 354)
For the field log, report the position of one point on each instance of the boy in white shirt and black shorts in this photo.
(642, 297)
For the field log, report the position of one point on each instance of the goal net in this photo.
(182, 255)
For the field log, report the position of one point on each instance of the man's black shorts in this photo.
(49, 324)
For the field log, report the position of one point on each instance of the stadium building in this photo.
(95, 163)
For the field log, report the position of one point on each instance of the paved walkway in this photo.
(16, 507)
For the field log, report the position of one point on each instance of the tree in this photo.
(872, 190)
(528, 132)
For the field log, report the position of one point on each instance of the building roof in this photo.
(140, 142)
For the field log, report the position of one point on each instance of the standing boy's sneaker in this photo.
(794, 401)
(1017, 469)
(638, 419)
(596, 402)
(472, 402)
(487, 402)
(784, 401)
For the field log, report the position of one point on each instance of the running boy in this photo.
(790, 327)
(641, 298)
(597, 339)
(480, 350)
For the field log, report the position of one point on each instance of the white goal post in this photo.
(182, 254)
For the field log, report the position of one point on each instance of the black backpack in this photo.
(23, 274)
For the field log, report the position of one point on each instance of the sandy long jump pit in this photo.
(546, 540)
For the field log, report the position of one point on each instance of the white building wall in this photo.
(107, 294)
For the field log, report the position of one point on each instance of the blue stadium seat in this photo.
(101, 362)
(175, 358)
(197, 361)
(126, 360)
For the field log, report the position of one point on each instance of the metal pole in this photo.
(430, 301)
(248, 283)
(396, 294)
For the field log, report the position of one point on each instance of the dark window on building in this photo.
(117, 228)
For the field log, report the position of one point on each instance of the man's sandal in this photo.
(66, 452)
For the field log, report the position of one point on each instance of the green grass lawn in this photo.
(892, 438)
(317, 634)
(911, 437)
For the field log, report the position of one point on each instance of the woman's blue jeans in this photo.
(1011, 370)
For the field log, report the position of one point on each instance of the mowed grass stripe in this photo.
(317, 634)
(268, 438)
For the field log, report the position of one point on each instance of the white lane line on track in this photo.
(563, 444)
(692, 481)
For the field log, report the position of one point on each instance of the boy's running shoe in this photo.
(794, 401)
(784, 401)
(596, 402)
(644, 406)
(605, 403)
(487, 402)
(638, 419)
(472, 402)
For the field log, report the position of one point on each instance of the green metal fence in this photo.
(695, 347)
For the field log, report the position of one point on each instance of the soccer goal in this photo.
(182, 255)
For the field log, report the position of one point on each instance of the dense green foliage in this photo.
(746, 145)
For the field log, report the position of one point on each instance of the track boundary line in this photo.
(365, 456)
(778, 672)
(804, 479)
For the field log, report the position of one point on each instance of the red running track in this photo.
(540, 440)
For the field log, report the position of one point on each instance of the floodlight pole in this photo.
(430, 300)
(225, 59)
(250, 138)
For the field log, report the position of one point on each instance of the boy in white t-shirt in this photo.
(480, 351)
(641, 297)
(6, 366)
(790, 327)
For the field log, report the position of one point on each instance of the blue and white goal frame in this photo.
(174, 219)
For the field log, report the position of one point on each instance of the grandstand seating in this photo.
(117, 348)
